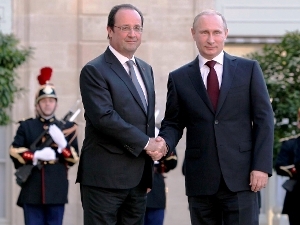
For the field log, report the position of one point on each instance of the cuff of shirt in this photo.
(147, 144)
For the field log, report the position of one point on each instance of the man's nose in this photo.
(210, 38)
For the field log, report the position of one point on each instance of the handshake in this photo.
(156, 148)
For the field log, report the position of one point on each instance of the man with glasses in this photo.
(116, 163)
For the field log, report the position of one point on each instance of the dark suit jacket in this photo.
(230, 142)
(117, 127)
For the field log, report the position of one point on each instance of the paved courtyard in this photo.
(177, 206)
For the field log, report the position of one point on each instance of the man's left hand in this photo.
(155, 155)
(258, 180)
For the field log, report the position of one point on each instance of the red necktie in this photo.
(212, 84)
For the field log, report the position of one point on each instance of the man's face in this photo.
(46, 107)
(210, 35)
(126, 43)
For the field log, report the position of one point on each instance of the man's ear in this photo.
(109, 31)
(226, 34)
(193, 33)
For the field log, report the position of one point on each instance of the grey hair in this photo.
(210, 12)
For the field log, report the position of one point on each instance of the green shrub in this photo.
(280, 64)
(11, 57)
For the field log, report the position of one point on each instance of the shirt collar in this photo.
(50, 119)
(219, 59)
(120, 57)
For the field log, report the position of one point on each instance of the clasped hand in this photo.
(58, 137)
(45, 154)
(156, 148)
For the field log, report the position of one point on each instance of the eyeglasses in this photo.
(137, 29)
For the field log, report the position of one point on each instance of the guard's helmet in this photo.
(47, 89)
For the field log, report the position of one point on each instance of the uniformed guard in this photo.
(288, 164)
(157, 197)
(42, 151)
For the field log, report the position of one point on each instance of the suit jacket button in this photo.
(216, 121)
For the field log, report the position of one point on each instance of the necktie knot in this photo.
(211, 63)
(130, 63)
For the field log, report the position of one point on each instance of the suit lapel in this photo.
(195, 76)
(227, 78)
(119, 70)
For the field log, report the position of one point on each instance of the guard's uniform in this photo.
(290, 155)
(48, 182)
(45, 192)
(156, 198)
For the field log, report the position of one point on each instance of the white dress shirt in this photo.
(123, 61)
(204, 69)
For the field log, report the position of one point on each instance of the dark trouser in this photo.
(294, 217)
(240, 208)
(43, 214)
(103, 206)
(154, 216)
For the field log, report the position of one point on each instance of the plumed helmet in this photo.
(47, 89)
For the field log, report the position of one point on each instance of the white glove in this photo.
(46, 154)
(58, 137)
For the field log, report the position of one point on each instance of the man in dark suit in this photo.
(229, 139)
(116, 163)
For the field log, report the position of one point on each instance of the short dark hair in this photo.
(115, 9)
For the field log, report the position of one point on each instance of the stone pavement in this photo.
(177, 212)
